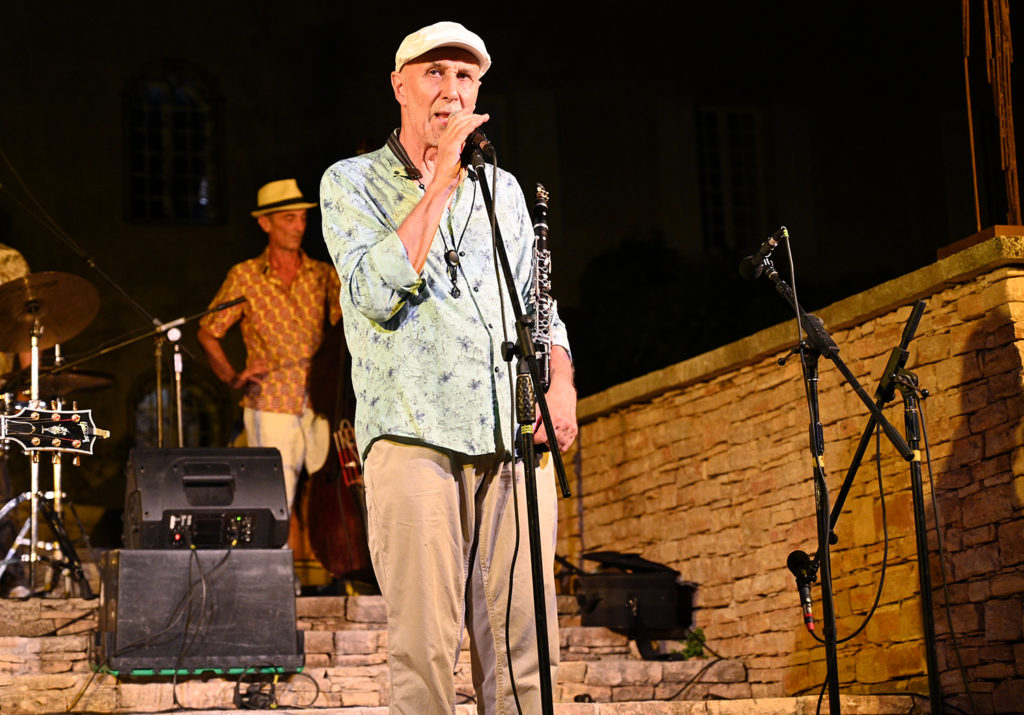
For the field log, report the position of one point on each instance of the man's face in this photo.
(434, 86)
(284, 228)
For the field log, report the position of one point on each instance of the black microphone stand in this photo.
(169, 331)
(528, 377)
(819, 343)
(896, 376)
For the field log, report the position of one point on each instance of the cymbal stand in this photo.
(174, 335)
(33, 512)
(57, 490)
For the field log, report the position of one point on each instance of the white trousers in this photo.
(300, 439)
(442, 533)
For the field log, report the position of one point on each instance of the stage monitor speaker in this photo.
(206, 498)
(162, 612)
(633, 592)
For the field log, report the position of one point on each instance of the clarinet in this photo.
(541, 287)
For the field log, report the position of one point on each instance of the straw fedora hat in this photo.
(282, 195)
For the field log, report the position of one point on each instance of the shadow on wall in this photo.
(979, 494)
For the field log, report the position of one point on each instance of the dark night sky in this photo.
(863, 149)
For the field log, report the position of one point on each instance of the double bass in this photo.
(334, 505)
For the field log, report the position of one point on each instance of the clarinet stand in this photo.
(819, 343)
(528, 381)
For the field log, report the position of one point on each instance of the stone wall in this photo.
(705, 466)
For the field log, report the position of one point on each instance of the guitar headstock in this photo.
(43, 430)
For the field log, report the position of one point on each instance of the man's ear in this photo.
(264, 222)
(398, 85)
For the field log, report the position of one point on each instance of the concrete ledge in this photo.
(1001, 250)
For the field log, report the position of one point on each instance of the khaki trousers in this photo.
(442, 533)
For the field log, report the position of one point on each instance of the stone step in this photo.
(604, 687)
(44, 668)
(341, 691)
(354, 612)
(351, 628)
(852, 704)
(346, 667)
(35, 616)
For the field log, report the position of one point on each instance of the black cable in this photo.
(512, 395)
(885, 538)
(511, 585)
(692, 681)
(942, 559)
(821, 696)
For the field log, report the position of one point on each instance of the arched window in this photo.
(204, 402)
(173, 147)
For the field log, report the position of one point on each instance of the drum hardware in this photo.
(37, 430)
(63, 555)
(38, 311)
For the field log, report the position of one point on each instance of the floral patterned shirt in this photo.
(427, 366)
(281, 326)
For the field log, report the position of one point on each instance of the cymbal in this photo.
(58, 384)
(62, 303)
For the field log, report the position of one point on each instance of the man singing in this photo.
(408, 232)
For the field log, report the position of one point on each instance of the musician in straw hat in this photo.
(408, 232)
(288, 294)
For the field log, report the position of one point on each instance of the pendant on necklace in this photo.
(451, 257)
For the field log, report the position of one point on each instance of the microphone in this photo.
(752, 266)
(477, 141)
(480, 141)
(800, 564)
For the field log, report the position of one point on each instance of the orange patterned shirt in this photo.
(281, 326)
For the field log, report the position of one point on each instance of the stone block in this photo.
(145, 697)
(633, 693)
(605, 673)
(1011, 542)
(1003, 620)
(900, 660)
(567, 692)
(367, 609)
(362, 698)
(320, 606)
(318, 642)
(357, 642)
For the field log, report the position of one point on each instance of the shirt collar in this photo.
(264, 259)
(395, 145)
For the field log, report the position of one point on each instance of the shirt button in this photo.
(497, 369)
(475, 289)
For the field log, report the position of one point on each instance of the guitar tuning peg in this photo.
(76, 460)
(74, 404)
(53, 405)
